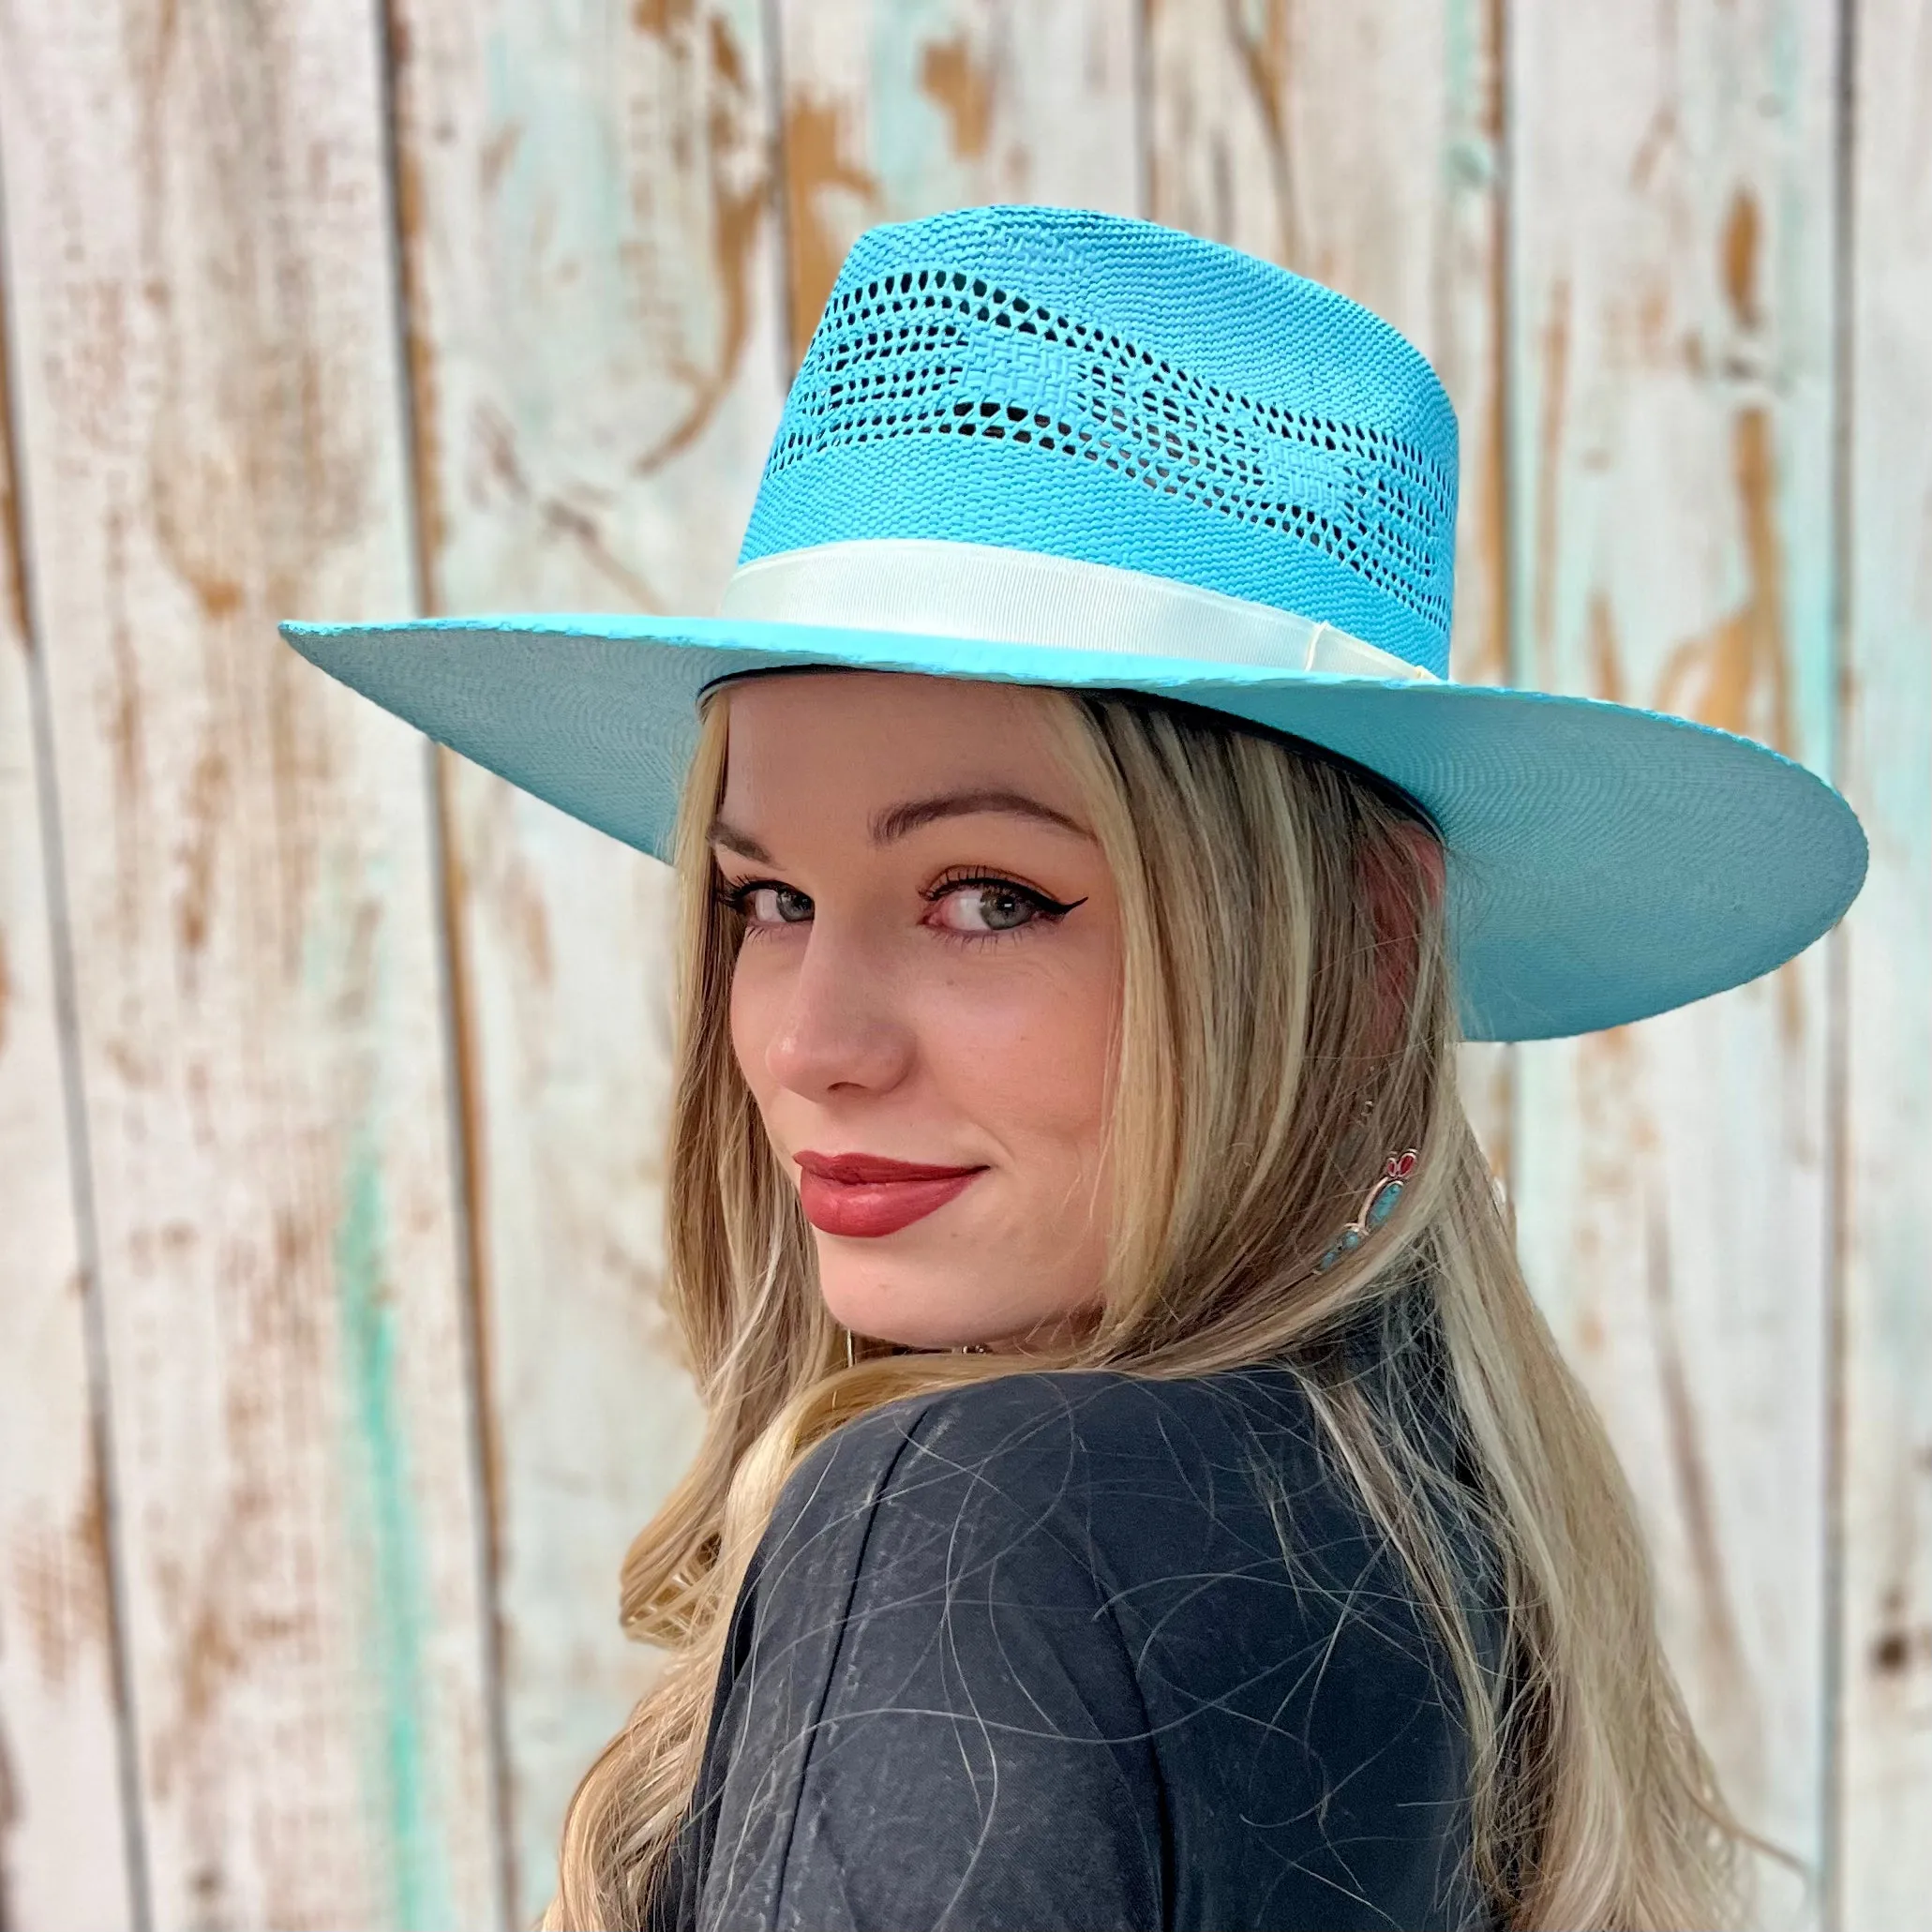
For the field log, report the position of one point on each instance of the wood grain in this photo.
(895, 108)
(1674, 296)
(1613, 235)
(197, 235)
(60, 1743)
(1883, 1404)
(595, 328)
(1272, 127)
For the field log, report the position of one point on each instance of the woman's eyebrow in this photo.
(727, 834)
(898, 821)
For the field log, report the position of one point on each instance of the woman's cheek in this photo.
(755, 996)
(1026, 1051)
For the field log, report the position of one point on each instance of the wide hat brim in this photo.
(1605, 863)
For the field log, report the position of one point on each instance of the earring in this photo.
(1379, 1205)
(851, 1353)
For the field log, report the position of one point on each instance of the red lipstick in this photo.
(867, 1195)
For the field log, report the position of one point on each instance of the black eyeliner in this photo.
(1045, 903)
(734, 894)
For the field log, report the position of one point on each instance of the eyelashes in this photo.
(738, 894)
(995, 889)
(1004, 907)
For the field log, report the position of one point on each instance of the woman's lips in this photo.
(867, 1196)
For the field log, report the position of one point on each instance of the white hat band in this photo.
(1006, 596)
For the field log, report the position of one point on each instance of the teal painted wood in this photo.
(1883, 1724)
(60, 1743)
(1674, 300)
(202, 341)
(198, 243)
(595, 321)
(899, 108)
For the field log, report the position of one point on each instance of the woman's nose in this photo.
(841, 1028)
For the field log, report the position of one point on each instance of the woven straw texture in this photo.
(1091, 387)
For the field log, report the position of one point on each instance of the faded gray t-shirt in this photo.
(1060, 1652)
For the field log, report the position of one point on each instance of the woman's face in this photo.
(926, 996)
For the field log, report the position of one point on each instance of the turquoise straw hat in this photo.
(1051, 447)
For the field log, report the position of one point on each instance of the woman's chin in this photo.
(937, 1313)
(909, 1318)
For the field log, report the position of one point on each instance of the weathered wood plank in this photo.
(60, 1741)
(900, 108)
(1883, 1868)
(1364, 145)
(595, 322)
(1360, 145)
(197, 240)
(1673, 260)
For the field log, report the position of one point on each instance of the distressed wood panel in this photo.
(899, 108)
(1673, 292)
(595, 321)
(59, 1720)
(1884, 1402)
(199, 250)
(1365, 146)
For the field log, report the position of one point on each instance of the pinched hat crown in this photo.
(1077, 385)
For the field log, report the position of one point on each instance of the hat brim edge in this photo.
(1607, 862)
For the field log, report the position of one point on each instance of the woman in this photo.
(1138, 1489)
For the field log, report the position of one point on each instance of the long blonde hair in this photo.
(1279, 1034)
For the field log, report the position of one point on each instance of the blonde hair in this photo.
(1287, 1018)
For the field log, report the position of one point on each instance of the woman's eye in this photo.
(979, 907)
(772, 906)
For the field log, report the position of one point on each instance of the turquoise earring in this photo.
(1376, 1209)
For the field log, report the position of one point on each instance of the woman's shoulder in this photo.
(1125, 1471)
(1110, 1629)
(1019, 1426)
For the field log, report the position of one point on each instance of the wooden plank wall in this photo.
(205, 435)
(1672, 290)
(1881, 1397)
(332, 1075)
(594, 316)
(60, 1693)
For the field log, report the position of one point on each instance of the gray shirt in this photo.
(1064, 1652)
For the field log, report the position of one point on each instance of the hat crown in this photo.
(1118, 393)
